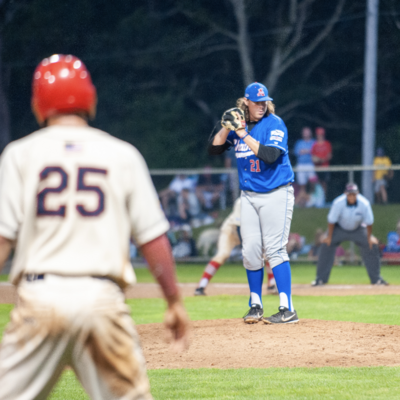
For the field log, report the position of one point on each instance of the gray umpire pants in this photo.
(359, 237)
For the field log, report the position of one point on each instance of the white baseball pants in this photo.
(265, 226)
(80, 322)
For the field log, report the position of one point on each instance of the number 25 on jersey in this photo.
(42, 210)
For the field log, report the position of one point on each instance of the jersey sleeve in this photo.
(146, 216)
(368, 215)
(334, 213)
(10, 194)
(276, 136)
(230, 139)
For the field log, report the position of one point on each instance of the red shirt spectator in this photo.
(321, 150)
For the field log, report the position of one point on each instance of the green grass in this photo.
(273, 383)
(301, 273)
(307, 220)
(3, 278)
(379, 309)
(250, 383)
(5, 310)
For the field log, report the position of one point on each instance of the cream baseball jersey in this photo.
(72, 197)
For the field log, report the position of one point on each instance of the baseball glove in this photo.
(233, 119)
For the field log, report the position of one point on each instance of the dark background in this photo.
(165, 70)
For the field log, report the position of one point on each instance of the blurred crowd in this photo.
(311, 187)
(192, 201)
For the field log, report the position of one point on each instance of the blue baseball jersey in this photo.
(254, 174)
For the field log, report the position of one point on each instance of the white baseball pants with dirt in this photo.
(265, 226)
(71, 321)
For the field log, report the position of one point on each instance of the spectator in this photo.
(294, 245)
(381, 176)
(169, 195)
(305, 165)
(188, 206)
(314, 196)
(393, 240)
(209, 189)
(185, 246)
(321, 153)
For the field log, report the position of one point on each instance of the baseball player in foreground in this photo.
(71, 197)
(350, 218)
(229, 238)
(265, 175)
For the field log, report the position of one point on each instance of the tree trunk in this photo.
(243, 41)
(4, 110)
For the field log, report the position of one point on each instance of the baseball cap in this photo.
(257, 92)
(351, 188)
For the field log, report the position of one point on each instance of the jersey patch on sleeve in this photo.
(277, 132)
(277, 138)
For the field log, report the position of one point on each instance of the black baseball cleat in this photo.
(284, 316)
(381, 282)
(199, 292)
(254, 315)
(317, 282)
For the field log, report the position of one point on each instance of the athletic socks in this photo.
(271, 278)
(209, 272)
(255, 279)
(283, 279)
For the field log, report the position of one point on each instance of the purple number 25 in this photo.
(81, 186)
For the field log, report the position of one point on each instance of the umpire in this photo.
(350, 218)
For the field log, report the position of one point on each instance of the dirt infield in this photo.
(310, 343)
(232, 344)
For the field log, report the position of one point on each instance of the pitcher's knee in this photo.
(277, 257)
(252, 262)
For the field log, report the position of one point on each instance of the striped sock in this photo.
(209, 272)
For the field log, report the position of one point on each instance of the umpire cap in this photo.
(351, 188)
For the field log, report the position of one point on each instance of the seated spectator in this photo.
(393, 241)
(209, 190)
(188, 206)
(314, 196)
(294, 245)
(169, 195)
(185, 246)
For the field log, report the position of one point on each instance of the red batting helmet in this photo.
(62, 85)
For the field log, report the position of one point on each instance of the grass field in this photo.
(301, 273)
(274, 383)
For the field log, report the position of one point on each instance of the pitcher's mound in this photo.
(310, 343)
